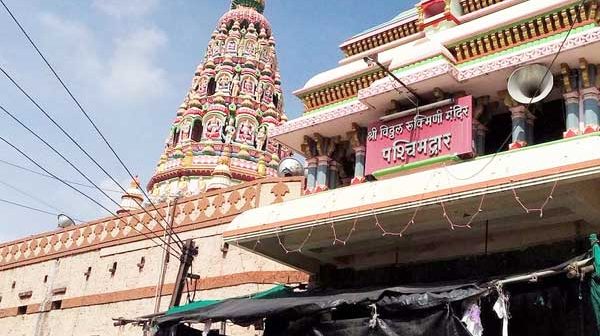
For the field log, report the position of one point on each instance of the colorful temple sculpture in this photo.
(219, 136)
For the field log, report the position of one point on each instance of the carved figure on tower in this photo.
(261, 137)
(230, 131)
(213, 129)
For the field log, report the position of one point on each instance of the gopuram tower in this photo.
(220, 134)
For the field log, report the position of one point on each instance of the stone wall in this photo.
(76, 293)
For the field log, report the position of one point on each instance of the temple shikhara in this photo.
(219, 136)
(443, 179)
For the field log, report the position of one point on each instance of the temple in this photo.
(448, 185)
(219, 135)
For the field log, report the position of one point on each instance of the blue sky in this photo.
(130, 62)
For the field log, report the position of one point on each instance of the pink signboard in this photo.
(442, 131)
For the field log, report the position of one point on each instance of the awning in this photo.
(277, 291)
(293, 305)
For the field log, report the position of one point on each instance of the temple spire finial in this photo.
(258, 5)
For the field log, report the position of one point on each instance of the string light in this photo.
(336, 239)
(547, 200)
(385, 233)
(541, 208)
(299, 249)
(453, 226)
(339, 239)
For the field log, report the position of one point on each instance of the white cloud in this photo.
(76, 45)
(126, 72)
(125, 8)
(132, 72)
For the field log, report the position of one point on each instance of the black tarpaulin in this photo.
(298, 305)
(438, 321)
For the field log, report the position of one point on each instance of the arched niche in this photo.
(250, 48)
(213, 126)
(196, 134)
(224, 83)
(211, 87)
(261, 138)
(175, 135)
(231, 46)
(249, 85)
(246, 129)
(268, 92)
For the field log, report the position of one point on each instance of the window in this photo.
(14, 285)
(56, 305)
(45, 278)
(22, 310)
(212, 87)
(197, 130)
(88, 273)
(175, 137)
(113, 270)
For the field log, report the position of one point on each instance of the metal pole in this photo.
(391, 74)
(187, 257)
(171, 206)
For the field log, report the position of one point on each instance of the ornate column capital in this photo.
(311, 162)
(518, 112)
(308, 147)
(571, 97)
(565, 72)
(591, 93)
(358, 150)
(358, 136)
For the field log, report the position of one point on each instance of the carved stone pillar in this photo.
(359, 165)
(309, 150)
(591, 109)
(519, 127)
(479, 132)
(325, 148)
(519, 115)
(571, 83)
(589, 96)
(358, 137)
(333, 175)
(322, 173)
(311, 174)
(572, 114)
(529, 129)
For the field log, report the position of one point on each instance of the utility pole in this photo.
(187, 257)
(166, 255)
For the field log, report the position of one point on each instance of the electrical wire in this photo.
(33, 197)
(68, 162)
(76, 143)
(85, 195)
(24, 206)
(14, 165)
(39, 52)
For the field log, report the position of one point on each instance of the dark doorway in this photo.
(499, 129)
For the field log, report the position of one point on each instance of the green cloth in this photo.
(595, 281)
(275, 292)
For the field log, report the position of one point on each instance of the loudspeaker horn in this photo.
(530, 84)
